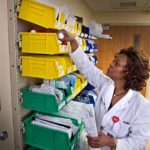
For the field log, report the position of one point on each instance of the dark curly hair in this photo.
(137, 69)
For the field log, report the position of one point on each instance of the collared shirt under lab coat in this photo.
(133, 110)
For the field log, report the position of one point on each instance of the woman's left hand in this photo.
(100, 141)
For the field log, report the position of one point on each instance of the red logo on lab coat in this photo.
(115, 119)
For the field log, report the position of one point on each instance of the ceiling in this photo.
(118, 5)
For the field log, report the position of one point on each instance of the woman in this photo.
(122, 113)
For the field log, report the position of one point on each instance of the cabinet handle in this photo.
(3, 135)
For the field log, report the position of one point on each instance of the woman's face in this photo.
(117, 68)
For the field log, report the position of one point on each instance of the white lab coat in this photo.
(133, 110)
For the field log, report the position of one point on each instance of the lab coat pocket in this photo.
(121, 129)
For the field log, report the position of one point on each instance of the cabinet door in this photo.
(6, 117)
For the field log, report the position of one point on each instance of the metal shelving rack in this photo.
(17, 82)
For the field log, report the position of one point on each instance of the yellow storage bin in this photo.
(42, 43)
(79, 81)
(79, 89)
(60, 24)
(79, 28)
(51, 67)
(84, 84)
(74, 68)
(40, 14)
(66, 60)
(76, 28)
(62, 17)
(84, 44)
(69, 64)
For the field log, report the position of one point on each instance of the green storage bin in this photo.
(49, 139)
(45, 103)
(33, 148)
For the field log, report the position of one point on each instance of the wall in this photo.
(77, 7)
(6, 119)
(123, 17)
(148, 90)
(122, 37)
(147, 95)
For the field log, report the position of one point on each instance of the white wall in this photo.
(6, 119)
(124, 17)
(77, 7)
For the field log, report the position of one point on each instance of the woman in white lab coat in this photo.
(122, 113)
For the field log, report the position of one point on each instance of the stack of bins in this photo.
(45, 58)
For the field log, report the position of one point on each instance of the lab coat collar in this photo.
(108, 95)
(123, 102)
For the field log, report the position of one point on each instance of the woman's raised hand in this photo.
(64, 36)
